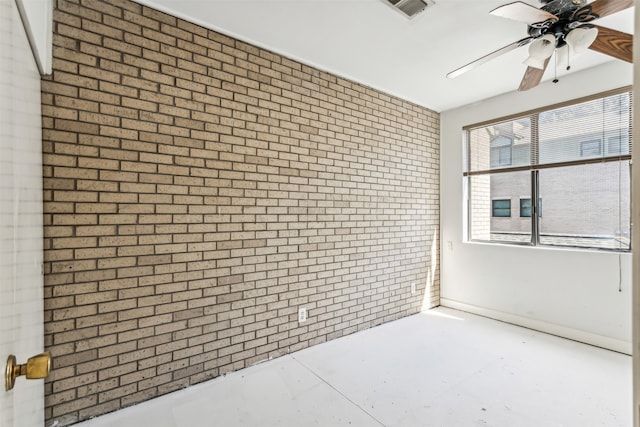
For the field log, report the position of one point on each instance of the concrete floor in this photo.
(439, 368)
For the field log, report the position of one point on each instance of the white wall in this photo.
(572, 293)
(21, 217)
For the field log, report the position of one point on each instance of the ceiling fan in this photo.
(561, 26)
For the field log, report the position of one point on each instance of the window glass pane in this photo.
(586, 206)
(501, 208)
(582, 130)
(501, 156)
(493, 194)
(591, 148)
(615, 145)
(500, 145)
(525, 208)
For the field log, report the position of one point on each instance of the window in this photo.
(525, 208)
(501, 151)
(590, 148)
(577, 157)
(615, 145)
(501, 208)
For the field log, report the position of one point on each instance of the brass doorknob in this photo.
(36, 367)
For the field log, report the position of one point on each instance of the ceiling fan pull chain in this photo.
(555, 67)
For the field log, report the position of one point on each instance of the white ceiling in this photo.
(371, 43)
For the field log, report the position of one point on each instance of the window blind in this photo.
(594, 130)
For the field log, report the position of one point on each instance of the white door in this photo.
(21, 280)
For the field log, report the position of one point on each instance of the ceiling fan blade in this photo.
(613, 43)
(532, 77)
(523, 12)
(488, 57)
(608, 7)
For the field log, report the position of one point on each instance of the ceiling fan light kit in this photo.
(563, 27)
(540, 50)
(579, 39)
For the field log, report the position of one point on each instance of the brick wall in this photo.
(199, 190)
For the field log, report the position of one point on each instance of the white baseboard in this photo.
(573, 334)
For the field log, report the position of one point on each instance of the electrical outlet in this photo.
(450, 245)
(413, 288)
(302, 315)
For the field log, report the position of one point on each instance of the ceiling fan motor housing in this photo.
(564, 9)
(570, 13)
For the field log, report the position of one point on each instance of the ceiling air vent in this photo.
(411, 7)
